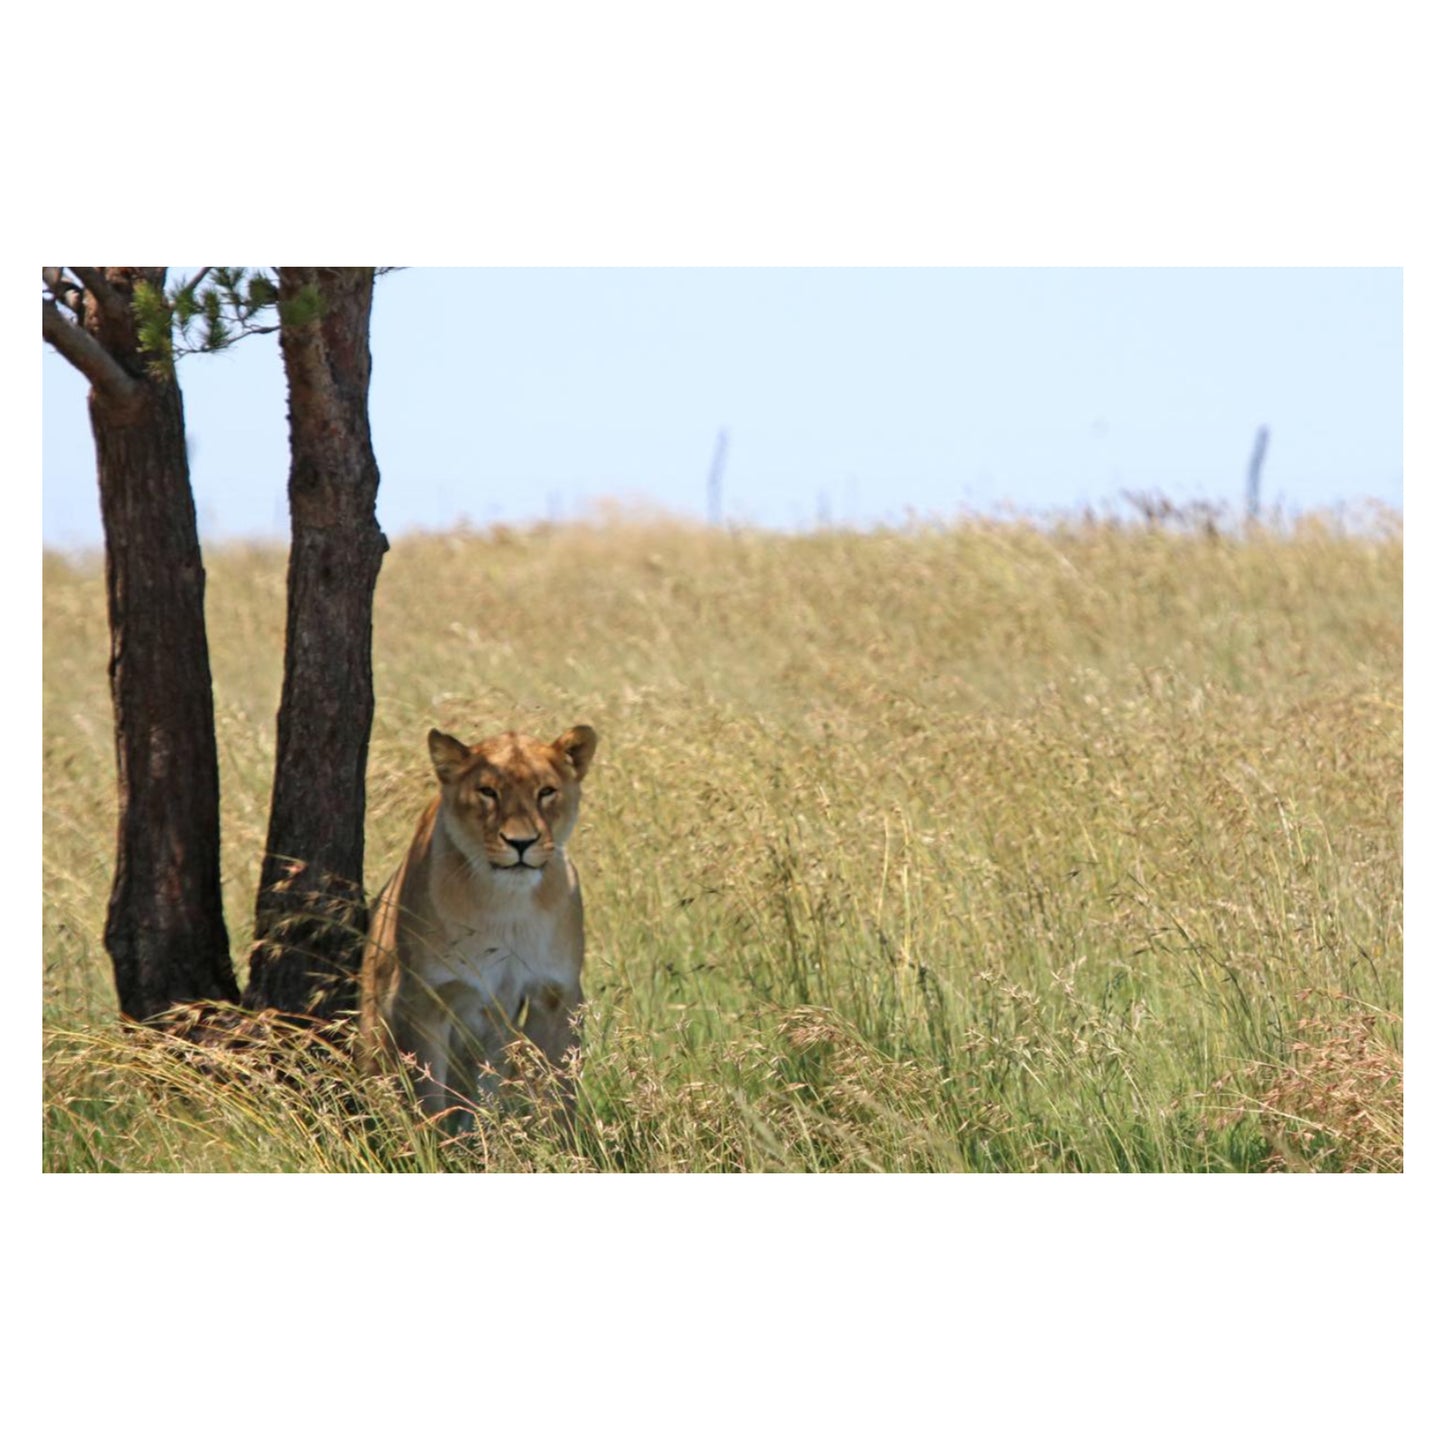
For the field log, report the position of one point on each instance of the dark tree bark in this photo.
(164, 930)
(310, 908)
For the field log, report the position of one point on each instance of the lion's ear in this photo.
(577, 745)
(448, 756)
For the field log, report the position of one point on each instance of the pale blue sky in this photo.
(522, 394)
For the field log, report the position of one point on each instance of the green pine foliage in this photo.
(213, 310)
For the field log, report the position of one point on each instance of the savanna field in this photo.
(999, 847)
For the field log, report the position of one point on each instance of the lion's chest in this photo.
(503, 953)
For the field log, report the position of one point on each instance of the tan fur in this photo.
(476, 941)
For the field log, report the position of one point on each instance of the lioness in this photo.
(476, 942)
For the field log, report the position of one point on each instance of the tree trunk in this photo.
(310, 908)
(165, 930)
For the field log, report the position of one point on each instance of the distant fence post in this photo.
(1256, 465)
(714, 479)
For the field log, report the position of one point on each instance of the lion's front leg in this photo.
(549, 1022)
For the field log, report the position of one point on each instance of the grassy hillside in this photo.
(991, 848)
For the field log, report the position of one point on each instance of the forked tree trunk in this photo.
(164, 930)
(310, 908)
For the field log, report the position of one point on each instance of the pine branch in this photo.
(226, 308)
(85, 353)
(189, 289)
(63, 289)
(109, 299)
(244, 328)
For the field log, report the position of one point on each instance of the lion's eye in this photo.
(545, 794)
(489, 793)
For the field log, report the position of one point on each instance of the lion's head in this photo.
(511, 801)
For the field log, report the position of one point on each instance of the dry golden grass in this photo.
(989, 847)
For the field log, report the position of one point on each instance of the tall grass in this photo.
(995, 847)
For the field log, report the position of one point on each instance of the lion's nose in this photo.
(522, 844)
